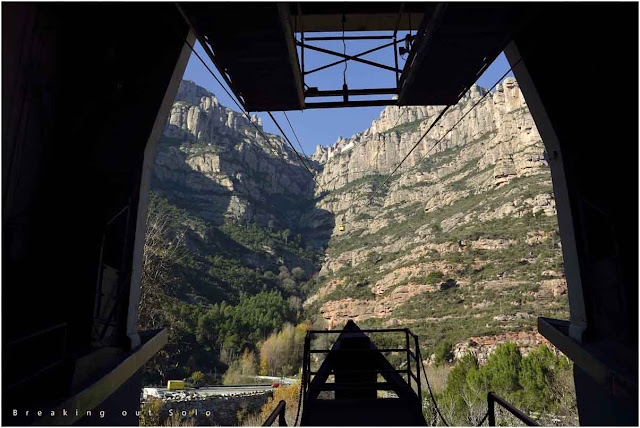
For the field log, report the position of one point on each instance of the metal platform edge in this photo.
(617, 380)
(91, 396)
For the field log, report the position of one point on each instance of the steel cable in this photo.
(244, 112)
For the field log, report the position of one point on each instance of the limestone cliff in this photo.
(463, 237)
(461, 243)
(245, 207)
(214, 162)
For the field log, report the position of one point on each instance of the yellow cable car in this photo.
(175, 384)
(342, 228)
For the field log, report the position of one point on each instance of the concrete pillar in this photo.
(563, 205)
(145, 184)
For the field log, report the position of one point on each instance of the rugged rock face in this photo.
(499, 135)
(242, 204)
(482, 347)
(460, 241)
(214, 162)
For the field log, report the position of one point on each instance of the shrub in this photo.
(150, 412)
(435, 277)
(281, 352)
(503, 369)
(443, 353)
(298, 273)
(540, 382)
(290, 395)
(198, 378)
(241, 370)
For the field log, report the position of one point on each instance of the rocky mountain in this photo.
(245, 201)
(461, 243)
(214, 162)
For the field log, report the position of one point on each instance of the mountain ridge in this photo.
(476, 217)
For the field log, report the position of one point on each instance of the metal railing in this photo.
(49, 337)
(411, 355)
(278, 412)
(491, 411)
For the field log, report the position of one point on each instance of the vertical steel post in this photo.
(491, 409)
(418, 364)
(302, 56)
(306, 366)
(406, 336)
(395, 56)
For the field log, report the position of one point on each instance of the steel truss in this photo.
(345, 92)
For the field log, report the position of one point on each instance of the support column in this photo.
(560, 190)
(145, 184)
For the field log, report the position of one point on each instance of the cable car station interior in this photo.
(71, 205)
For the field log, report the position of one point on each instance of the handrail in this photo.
(278, 412)
(332, 372)
(364, 330)
(411, 355)
(37, 333)
(492, 398)
(343, 351)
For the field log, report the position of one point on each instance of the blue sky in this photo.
(324, 126)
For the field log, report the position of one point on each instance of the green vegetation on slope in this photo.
(199, 282)
(540, 383)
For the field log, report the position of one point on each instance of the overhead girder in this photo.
(258, 51)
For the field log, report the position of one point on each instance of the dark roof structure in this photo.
(259, 48)
(88, 88)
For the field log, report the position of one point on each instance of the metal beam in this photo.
(285, 18)
(566, 226)
(364, 103)
(395, 50)
(419, 47)
(211, 56)
(348, 57)
(94, 394)
(328, 22)
(607, 369)
(357, 56)
(350, 38)
(150, 152)
(340, 92)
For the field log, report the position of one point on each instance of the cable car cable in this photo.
(294, 149)
(294, 134)
(450, 129)
(433, 399)
(466, 114)
(435, 122)
(279, 154)
(344, 48)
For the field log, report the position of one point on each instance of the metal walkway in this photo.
(356, 384)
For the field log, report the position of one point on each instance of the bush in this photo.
(503, 369)
(290, 395)
(298, 273)
(435, 277)
(540, 382)
(150, 412)
(198, 378)
(281, 353)
(242, 370)
(443, 353)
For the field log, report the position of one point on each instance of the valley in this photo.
(461, 245)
